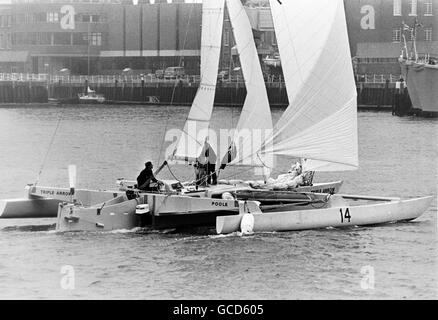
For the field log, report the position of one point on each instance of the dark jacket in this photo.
(145, 178)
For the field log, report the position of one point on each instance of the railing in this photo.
(377, 78)
(121, 79)
(151, 78)
(23, 77)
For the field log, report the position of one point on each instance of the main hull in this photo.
(421, 80)
(164, 211)
(42, 202)
(116, 215)
(341, 214)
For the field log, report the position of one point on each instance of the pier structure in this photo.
(375, 92)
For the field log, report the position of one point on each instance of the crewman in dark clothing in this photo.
(208, 159)
(146, 179)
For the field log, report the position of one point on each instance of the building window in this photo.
(44, 38)
(26, 18)
(413, 8)
(86, 17)
(273, 39)
(428, 34)
(397, 8)
(9, 42)
(428, 8)
(96, 39)
(32, 38)
(52, 17)
(80, 39)
(19, 39)
(412, 35)
(227, 38)
(262, 39)
(1, 41)
(38, 17)
(95, 18)
(396, 35)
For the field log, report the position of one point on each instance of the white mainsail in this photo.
(320, 123)
(196, 128)
(255, 122)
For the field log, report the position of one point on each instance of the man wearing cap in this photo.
(146, 179)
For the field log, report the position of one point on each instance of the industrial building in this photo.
(109, 36)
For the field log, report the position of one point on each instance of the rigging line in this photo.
(263, 163)
(176, 178)
(175, 84)
(238, 173)
(48, 149)
(207, 176)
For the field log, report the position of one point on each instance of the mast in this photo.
(255, 121)
(88, 49)
(196, 128)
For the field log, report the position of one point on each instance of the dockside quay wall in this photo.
(227, 93)
(23, 92)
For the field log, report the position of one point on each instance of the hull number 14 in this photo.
(345, 215)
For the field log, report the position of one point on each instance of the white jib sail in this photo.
(196, 128)
(321, 120)
(255, 122)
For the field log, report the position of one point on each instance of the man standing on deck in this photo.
(146, 180)
(208, 158)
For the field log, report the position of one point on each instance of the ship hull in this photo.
(421, 80)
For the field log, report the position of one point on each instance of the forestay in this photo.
(196, 128)
(320, 122)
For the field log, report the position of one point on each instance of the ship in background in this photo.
(421, 75)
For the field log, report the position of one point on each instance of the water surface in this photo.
(398, 157)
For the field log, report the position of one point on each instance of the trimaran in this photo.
(320, 125)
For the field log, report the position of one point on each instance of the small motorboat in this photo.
(272, 61)
(90, 96)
